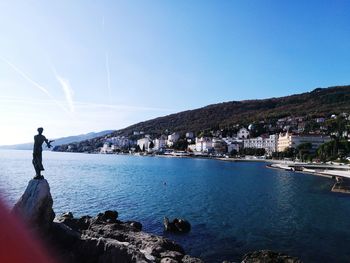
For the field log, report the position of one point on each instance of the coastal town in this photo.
(300, 138)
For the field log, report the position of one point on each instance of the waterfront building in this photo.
(120, 142)
(290, 140)
(172, 138)
(192, 147)
(243, 133)
(219, 145)
(233, 143)
(236, 146)
(114, 144)
(114, 148)
(160, 143)
(262, 142)
(106, 148)
(204, 144)
(144, 143)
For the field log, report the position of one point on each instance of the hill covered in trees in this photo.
(319, 102)
(228, 116)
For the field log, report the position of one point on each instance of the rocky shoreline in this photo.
(104, 238)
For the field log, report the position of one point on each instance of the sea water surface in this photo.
(234, 207)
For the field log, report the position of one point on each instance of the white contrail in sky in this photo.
(108, 76)
(68, 91)
(33, 82)
(25, 76)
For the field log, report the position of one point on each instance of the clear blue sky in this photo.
(80, 66)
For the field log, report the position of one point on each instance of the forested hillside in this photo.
(319, 102)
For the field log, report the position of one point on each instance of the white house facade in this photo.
(267, 143)
(160, 143)
(144, 143)
(204, 144)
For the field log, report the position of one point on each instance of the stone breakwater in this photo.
(105, 239)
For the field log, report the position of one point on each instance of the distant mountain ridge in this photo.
(60, 141)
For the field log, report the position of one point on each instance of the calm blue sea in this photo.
(234, 207)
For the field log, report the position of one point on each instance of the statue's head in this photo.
(40, 130)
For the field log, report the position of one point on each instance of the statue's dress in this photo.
(37, 152)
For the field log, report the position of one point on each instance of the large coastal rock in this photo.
(35, 205)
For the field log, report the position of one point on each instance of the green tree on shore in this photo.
(253, 151)
(289, 152)
(334, 149)
(304, 151)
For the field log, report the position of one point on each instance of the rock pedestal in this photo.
(35, 205)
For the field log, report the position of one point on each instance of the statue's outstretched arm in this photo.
(48, 143)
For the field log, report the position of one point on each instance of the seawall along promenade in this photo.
(341, 173)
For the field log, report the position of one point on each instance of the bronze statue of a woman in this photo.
(39, 139)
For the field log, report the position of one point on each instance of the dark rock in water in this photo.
(35, 205)
(108, 216)
(268, 256)
(177, 225)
